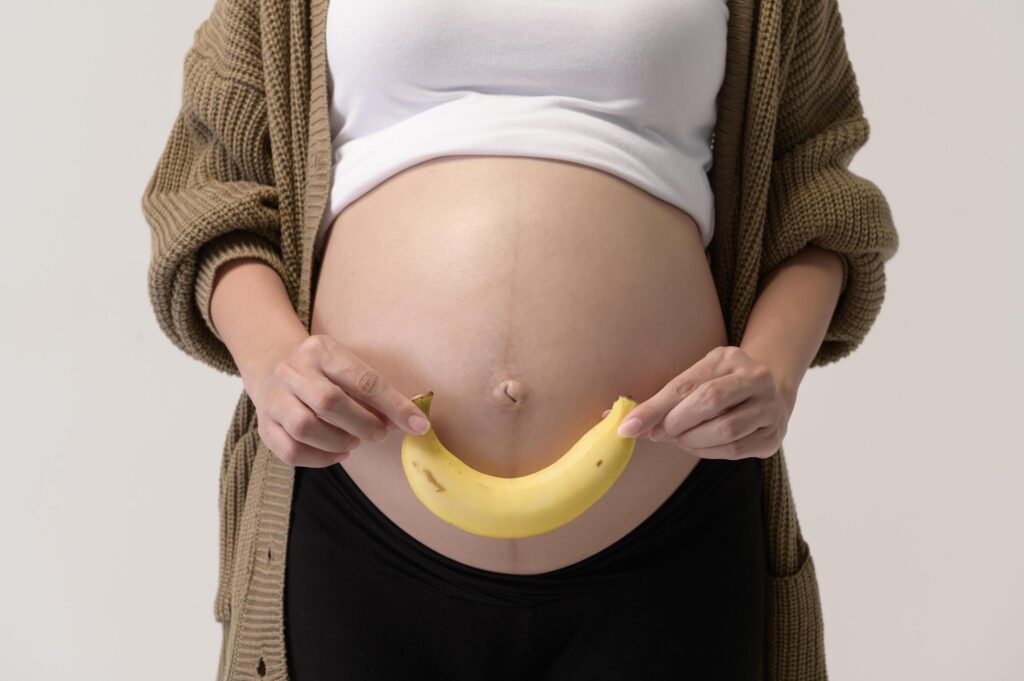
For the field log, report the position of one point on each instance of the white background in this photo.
(904, 457)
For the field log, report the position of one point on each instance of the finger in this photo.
(333, 405)
(756, 444)
(652, 411)
(364, 383)
(296, 453)
(733, 424)
(303, 426)
(710, 399)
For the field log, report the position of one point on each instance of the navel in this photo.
(509, 392)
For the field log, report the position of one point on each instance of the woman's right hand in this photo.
(307, 397)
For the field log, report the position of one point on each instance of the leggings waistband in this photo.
(713, 499)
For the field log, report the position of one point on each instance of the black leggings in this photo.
(681, 596)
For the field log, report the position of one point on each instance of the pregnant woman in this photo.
(528, 209)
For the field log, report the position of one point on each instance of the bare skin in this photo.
(527, 294)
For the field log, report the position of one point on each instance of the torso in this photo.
(481, 277)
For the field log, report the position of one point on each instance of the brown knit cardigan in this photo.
(245, 172)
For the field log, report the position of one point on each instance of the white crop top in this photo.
(626, 87)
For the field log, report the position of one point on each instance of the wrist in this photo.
(787, 385)
(787, 378)
(256, 362)
(254, 316)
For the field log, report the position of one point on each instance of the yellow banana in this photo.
(533, 504)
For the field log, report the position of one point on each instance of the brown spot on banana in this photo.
(600, 461)
(433, 481)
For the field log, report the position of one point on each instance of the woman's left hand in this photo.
(726, 406)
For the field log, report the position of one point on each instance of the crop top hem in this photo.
(534, 126)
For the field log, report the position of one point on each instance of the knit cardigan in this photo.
(245, 173)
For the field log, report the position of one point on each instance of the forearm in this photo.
(251, 311)
(791, 315)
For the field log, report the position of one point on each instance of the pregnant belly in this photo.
(527, 294)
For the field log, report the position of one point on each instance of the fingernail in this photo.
(419, 424)
(629, 427)
(379, 434)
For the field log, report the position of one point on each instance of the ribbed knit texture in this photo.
(246, 171)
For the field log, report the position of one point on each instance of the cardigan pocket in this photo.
(795, 643)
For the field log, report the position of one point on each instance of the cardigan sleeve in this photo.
(814, 198)
(212, 197)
